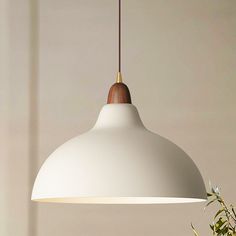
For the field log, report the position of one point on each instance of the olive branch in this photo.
(224, 221)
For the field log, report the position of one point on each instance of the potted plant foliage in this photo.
(224, 221)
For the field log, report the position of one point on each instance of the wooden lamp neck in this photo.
(119, 92)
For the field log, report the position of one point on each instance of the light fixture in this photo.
(119, 161)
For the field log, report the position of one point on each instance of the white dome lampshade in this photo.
(119, 161)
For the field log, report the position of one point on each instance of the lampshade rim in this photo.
(121, 200)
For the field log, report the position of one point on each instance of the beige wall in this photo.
(14, 117)
(179, 62)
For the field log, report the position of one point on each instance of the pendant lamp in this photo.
(119, 161)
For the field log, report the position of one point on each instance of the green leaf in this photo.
(216, 190)
(225, 230)
(194, 230)
(218, 212)
(219, 224)
(212, 227)
(232, 207)
(219, 200)
(234, 230)
(210, 202)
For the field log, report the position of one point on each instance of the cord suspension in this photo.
(119, 43)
